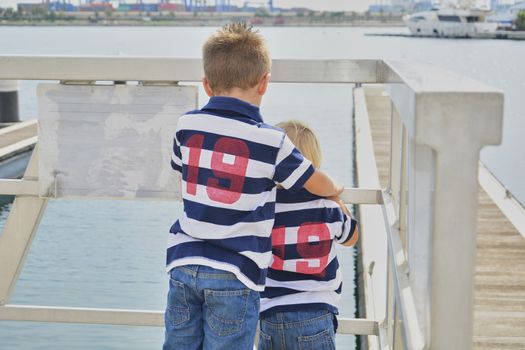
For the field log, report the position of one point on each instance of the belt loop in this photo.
(336, 323)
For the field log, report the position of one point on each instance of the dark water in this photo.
(111, 253)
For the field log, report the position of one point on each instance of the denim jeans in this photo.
(209, 309)
(298, 330)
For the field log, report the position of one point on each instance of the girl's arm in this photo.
(354, 236)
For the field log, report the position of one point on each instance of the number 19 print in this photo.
(233, 172)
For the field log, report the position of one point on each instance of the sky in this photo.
(322, 5)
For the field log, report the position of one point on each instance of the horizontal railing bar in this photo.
(18, 147)
(151, 69)
(426, 78)
(12, 187)
(125, 317)
(17, 126)
(362, 196)
(30, 188)
(82, 315)
(403, 292)
(418, 77)
(357, 326)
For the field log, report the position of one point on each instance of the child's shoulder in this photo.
(271, 128)
(233, 126)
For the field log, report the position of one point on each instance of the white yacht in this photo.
(455, 23)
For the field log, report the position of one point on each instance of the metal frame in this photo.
(18, 233)
(444, 121)
(439, 124)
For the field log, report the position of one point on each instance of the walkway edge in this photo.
(373, 233)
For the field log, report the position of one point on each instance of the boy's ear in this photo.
(262, 86)
(207, 88)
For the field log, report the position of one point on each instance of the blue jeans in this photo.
(298, 330)
(209, 309)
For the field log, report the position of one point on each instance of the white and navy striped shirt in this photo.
(305, 274)
(230, 162)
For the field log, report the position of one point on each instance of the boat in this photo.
(450, 23)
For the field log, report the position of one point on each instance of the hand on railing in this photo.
(355, 234)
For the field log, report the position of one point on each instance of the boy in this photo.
(231, 161)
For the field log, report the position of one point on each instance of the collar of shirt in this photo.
(225, 103)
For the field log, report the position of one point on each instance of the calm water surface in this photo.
(111, 253)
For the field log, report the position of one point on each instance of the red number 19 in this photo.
(234, 172)
(309, 250)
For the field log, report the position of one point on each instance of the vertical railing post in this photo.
(18, 233)
(448, 129)
(456, 126)
(419, 233)
(449, 119)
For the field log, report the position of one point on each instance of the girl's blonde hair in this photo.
(304, 139)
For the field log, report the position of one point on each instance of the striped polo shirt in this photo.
(305, 274)
(231, 162)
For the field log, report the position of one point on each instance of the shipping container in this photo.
(95, 7)
(166, 7)
(143, 7)
(29, 7)
(57, 6)
(123, 8)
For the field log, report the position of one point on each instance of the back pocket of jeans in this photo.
(265, 341)
(323, 340)
(178, 310)
(226, 310)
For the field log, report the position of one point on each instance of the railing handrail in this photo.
(419, 77)
(162, 69)
(435, 107)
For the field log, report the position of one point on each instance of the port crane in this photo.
(222, 5)
(197, 5)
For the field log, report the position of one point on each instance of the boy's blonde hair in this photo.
(235, 56)
(304, 139)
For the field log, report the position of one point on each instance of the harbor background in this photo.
(111, 254)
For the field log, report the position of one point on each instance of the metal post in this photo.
(9, 101)
(451, 127)
(419, 231)
(19, 231)
(457, 134)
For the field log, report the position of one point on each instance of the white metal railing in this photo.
(415, 299)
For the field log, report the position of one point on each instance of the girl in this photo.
(303, 285)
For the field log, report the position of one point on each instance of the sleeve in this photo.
(176, 158)
(292, 170)
(348, 229)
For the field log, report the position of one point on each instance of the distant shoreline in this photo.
(146, 24)
(213, 20)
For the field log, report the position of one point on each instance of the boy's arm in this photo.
(350, 233)
(322, 185)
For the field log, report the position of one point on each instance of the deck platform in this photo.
(499, 317)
